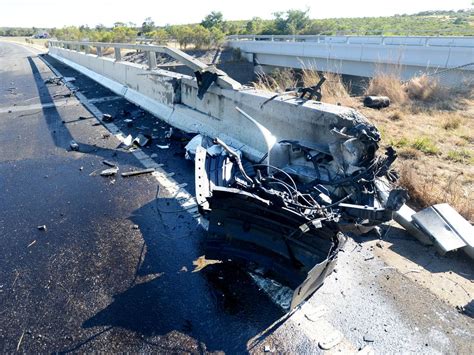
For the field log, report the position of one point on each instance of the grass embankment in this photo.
(430, 126)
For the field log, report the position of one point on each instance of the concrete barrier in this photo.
(173, 98)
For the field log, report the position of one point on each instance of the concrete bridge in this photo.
(449, 58)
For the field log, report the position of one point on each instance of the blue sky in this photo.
(54, 13)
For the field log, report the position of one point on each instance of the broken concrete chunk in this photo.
(74, 145)
(163, 146)
(109, 172)
(42, 228)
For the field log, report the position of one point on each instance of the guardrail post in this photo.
(99, 51)
(151, 60)
(87, 49)
(78, 48)
(118, 55)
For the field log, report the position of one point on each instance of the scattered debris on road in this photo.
(109, 172)
(107, 117)
(53, 80)
(109, 163)
(42, 228)
(331, 340)
(74, 146)
(138, 172)
(141, 140)
(163, 146)
(369, 338)
(201, 262)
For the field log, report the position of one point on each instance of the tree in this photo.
(148, 25)
(160, 36)
(201, 37)
(291, 21)
(123, 34)
(254, 26)
(183, 35)
(214, 19)
(217, 37)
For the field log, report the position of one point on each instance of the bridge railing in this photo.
(180, 56)
(150, 50)
(435, 41)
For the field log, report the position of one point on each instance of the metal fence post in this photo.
(99, 51)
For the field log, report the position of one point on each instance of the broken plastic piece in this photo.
(74, 145)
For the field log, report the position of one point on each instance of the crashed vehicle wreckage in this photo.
(289, 213)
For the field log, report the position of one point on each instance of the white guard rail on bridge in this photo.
(173, 98)
(451, 57)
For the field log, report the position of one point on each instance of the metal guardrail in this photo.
(438, 41)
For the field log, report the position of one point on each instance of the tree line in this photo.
(213, 29)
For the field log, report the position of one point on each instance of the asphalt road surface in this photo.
(113, 269)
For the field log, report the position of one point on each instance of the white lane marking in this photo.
(104, 99)
(59, 103)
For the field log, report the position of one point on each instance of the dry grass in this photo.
(333, 90)
(279, 80)
(105, 51)
(435, 147)
(452, 122)
(424, 88)
(388, 85)
(425, 191)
